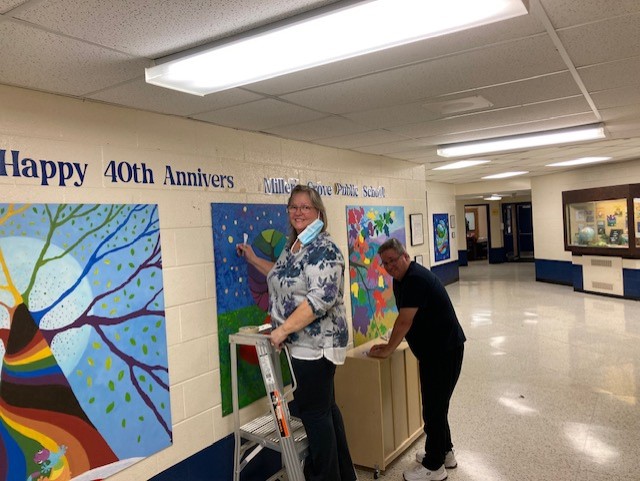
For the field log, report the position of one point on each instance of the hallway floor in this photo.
(550, 383)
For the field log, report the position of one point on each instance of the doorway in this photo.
(477, 229)
(518, 231)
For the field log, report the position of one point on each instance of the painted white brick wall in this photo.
(57, 128)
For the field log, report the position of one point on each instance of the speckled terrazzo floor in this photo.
(549, 388)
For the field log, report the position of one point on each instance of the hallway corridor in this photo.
(550, 382)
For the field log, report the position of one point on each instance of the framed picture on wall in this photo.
(441, 237)
(417, 230)
(419, 259)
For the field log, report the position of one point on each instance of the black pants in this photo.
(329, 458)
(438, 377)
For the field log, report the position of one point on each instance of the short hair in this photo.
(317, 203)
(392, 244)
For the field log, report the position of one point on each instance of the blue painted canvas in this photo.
(241, 291)
(441, 246)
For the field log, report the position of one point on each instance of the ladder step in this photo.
(263, 430)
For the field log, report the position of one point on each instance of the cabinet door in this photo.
(359, 396)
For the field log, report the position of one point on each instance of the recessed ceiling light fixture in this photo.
(461, 164)
(337, 32)
(523, 141)
(580, 161)
(504, 175)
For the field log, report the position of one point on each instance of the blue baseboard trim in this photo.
(463, 260)
(555, 272)
(631, 282)
(215, 463)
(448, 273)
(578, 280)
(497, 255)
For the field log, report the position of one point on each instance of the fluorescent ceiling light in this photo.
(493, 197)
(524, 141)
(337, 32)
(461, 164)
(580, 161)
(504, 175)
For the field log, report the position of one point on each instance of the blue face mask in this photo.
(311, 232)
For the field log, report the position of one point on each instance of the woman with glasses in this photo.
(306, 303)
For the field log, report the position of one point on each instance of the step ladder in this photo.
(276, 430)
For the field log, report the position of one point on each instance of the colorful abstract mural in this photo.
(373, 307)
(441, 237)
(84, 385)
(241, 291)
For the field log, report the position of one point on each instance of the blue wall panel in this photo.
(215, 463)
(497, 255)
(462, 258)
(631, 280)
(447, 273)
(578, 281)
(557, 272)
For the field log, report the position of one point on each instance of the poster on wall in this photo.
(373, 307)
(241, 291)
(84, 382)
(441, 237)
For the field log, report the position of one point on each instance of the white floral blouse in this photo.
(314, 273)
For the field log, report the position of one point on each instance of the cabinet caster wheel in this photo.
(376, 474)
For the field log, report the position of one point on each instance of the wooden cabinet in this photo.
(380, 404)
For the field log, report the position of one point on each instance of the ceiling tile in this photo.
(566, 13)
(604, 41)
(326, 127)
(617, 97)
(150, 29)
(470, 70)
(7, 5)
(259, 115)
(538, 89)
(52, 63)
(388, 148)
(141, 95)
(608, 75)
(360, 140)
(497, 118)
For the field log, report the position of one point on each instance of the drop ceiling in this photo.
(566, 63)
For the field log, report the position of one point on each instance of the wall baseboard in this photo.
(448, 273)
(215, 463)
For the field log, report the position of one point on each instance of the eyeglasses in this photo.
(390, 261)
(304, 208)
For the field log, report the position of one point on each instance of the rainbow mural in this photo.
(84, 379)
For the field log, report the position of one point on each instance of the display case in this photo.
(603, 221)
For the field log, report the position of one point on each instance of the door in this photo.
(524, 219)
(508, 238)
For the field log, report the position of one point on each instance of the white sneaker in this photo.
(449, 458)
(420, 473)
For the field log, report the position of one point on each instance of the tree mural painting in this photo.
(373, 306)
(84, 387)
(241, 291)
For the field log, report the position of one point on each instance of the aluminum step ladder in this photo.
(276, 430)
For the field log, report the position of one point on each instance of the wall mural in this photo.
(241, 291)
(441, 237)
(84, 385)
(373, 307)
